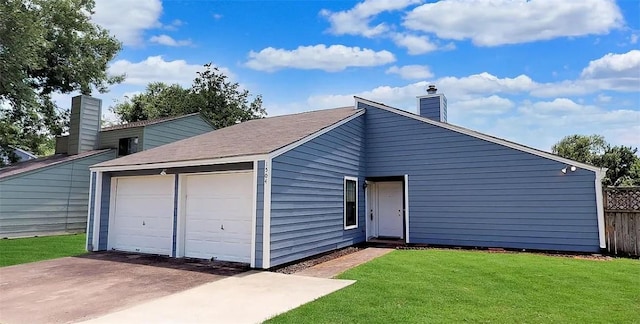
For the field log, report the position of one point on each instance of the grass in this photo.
(445, 286)
(24, 250)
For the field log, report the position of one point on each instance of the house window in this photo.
(350, 202)
(127, 146)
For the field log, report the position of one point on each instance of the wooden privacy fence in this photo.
(622, 220)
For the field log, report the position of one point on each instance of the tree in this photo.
(581, 148)
(47, 46)
(622, 163)
(219, 100)
(619, 161)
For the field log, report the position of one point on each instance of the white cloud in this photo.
(126, 19)
(492, 105)
(332, 59)
(485, 83)
(498, 22)
(156, 69)
(415, 44)
(411, 71)
(169, 41)
(633, 38)
(356, 21)
(174, 25)
(546, 122)
(603, 98)
(625, 65)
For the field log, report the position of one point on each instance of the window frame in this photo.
(344, 202)
(131, 141)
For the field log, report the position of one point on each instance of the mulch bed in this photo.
(596, 257)
(310, 262)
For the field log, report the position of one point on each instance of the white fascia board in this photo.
(481, 136)
(314, 135)
(266, 214)
(179, 164)
(600, 207)
(406, 208)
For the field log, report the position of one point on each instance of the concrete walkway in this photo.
(251, 297)
(339, 265)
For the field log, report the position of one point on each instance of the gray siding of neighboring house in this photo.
(84, 124)
(174, 130)
(259, 214)
(49, 200)
(465, 191)
(110, 138)
(62, 144)
(307, 194)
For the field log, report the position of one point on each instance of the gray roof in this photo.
(142, 123)
(258, 136)
(31, 165)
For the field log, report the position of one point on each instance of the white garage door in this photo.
(142, 220)
(218, 212)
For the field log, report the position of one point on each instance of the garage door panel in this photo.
(218, 216)
(143, 215)
(136, 187)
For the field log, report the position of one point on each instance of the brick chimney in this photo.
(84, 124)
(433, 105)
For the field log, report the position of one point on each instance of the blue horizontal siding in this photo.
(105, 201)
(307, 194)
(430, 108)
(465, 191)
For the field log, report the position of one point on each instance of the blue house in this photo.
(50, 195)
(271, 191)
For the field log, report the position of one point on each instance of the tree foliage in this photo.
(46, 47)
(581, 148)
(212, 94)
(622, 162)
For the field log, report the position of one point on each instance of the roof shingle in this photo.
(258, 136)
(35, 164)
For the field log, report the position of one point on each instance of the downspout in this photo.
(600, 207)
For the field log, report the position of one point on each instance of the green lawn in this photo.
(445, 286)
(23, 250)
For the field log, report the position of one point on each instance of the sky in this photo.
(526, 71)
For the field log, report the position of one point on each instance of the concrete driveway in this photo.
(80, 288)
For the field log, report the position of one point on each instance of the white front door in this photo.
(218, 211)
(142, 214)
(390, 212)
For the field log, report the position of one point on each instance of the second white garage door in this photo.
(218, 211)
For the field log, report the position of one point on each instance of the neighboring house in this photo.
(50, 195)
(21, 154)
(276, 190)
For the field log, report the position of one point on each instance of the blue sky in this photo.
(527, 71)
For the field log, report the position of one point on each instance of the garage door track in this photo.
(80, 288)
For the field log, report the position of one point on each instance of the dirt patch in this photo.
(310, 262)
